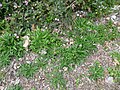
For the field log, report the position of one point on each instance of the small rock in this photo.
(17, 81)
(77, 15)
(113, 17)
(20, 59)
(1, 88)
(56, 30)
(15, 66)
(118, 29)
(26, 42)
(67, 40)
(81, 15)
(43, 52)
(71, 41)
(65, 68)
(109, 80)
(108, 18)
(118, 23)
(56, 19)
(115, 22)
(36, 80)
(28, 62)
(49, 88)
(0, 5)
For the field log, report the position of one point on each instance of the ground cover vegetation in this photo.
(38, 20)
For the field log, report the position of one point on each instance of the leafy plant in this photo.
(4, 60)
(86, 35)
(33, 88)
(10, 47)
(116, 56)
(15, 87)
(2, 75)
(22, 15)
(96, 71)
(86, 30)
(44, 40)
(56, 79)
(28, 70)
(41, 62)
(73, 55)
(97, 7)
(4, 26)
(115, 71)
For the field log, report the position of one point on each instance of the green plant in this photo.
(86, 35)
(33, 88)
(28, 70)
(115, 71)
(78, 80)
(87, 31)
(4, 26)
(56, 79)
(14, 13)
(2, 75)
(96, 71)
(15, 87)
(4, 60)
(44, 41)
(116, 56)
(117, 2)
(21, 15)
(41, 62)
(10, 47)
(73, 55)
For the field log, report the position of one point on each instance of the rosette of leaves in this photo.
(10, 47)
(45, 40)
(96, 71)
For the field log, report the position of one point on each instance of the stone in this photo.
(109, 80)
(65, 68)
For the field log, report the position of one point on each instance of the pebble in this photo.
(118, 23)
(56, 19)
(65, 68)
(67, 40)
(17, 81)
(15, 66)
(77, 15)
(113, 17)
(1, 88)
(26, 42)
(109, 80)
(115, 22)
(43, 52)
(108, 18)
(118, 29)
(28, 62)
(49, 88)
(71, 41)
